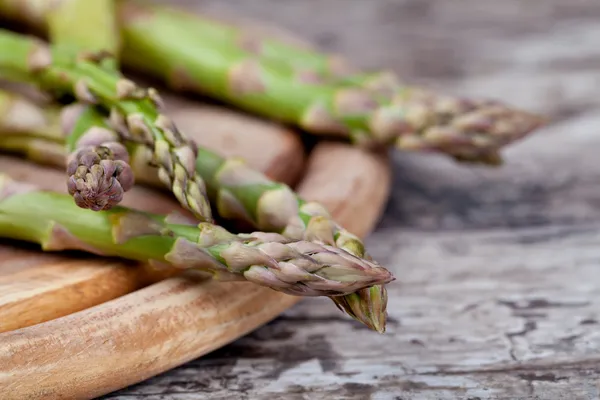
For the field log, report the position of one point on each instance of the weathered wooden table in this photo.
(499, 270)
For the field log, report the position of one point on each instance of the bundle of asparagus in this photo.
(61, 75)
(237, 191)
(284, 80)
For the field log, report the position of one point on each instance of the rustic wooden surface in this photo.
(499, 277)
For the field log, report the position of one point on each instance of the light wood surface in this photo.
(138, 335)
(498, 292)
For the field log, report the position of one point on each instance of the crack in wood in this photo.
(540, 303)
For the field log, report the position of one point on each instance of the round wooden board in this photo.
(139, 334)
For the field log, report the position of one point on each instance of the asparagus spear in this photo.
(21, 116)
(298, 268)
(316, 91)
(368, 108)
(197, 54)
(238, 192)
(135, 111)
(97, 166)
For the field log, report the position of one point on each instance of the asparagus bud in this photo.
(99, 173)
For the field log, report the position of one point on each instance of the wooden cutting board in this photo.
(77, 327)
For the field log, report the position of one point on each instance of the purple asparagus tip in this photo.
(99, 173)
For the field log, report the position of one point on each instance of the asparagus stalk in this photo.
(134, 111)
(370, 109)
(298, 268)
(318, 92)
(238, 192)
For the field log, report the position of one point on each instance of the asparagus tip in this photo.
(100, 186)
(475, 132)
(99, 173)
(368, 306)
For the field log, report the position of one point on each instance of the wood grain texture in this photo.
(498, 292)
(146, 332)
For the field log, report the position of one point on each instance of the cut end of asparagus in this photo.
(367, 306)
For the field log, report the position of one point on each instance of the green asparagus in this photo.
(238, 191)
(315, 91)
(297, 268)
